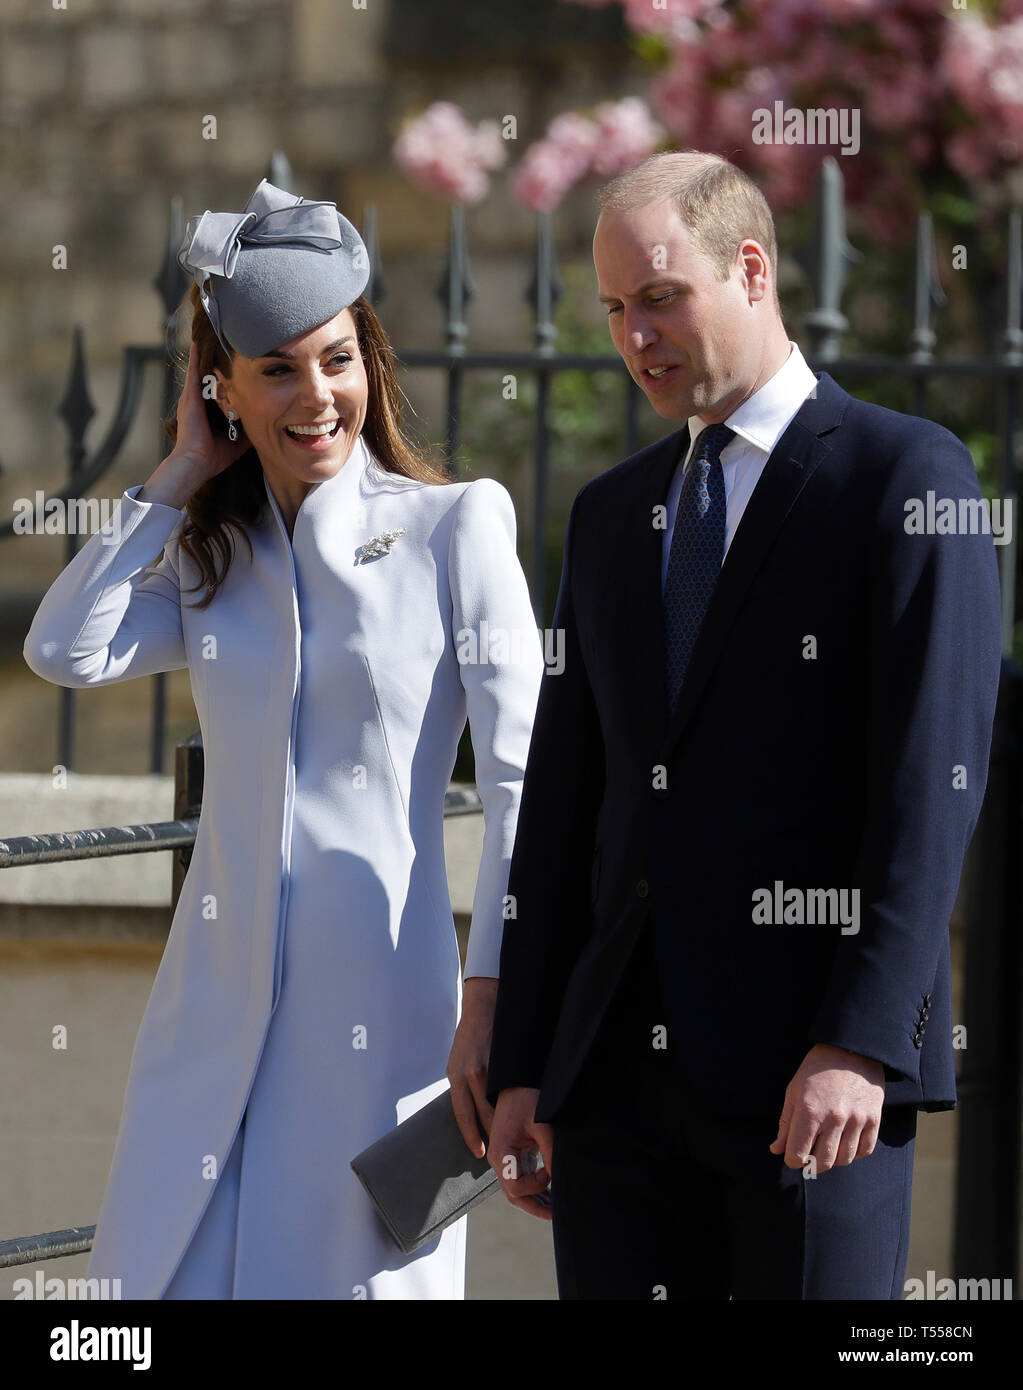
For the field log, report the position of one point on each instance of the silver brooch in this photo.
(379, 545)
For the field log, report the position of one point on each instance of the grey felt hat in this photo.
(274, 271)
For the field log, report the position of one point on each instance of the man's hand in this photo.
(468, 1061)
(514, 1136)
(832, 1109)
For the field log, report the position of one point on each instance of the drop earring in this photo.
(232, 428)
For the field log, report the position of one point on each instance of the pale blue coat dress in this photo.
(309, 991)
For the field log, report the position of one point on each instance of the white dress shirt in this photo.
(758, 424)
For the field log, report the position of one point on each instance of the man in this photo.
(724, 988)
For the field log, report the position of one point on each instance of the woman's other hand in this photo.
(469, 1059)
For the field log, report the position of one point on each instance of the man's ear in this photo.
(756, 268)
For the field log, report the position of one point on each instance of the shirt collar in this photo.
(762, 419)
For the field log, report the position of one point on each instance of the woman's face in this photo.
(317, 378)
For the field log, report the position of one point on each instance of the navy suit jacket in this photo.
(833, 732)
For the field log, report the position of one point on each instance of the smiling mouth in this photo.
(314, 431)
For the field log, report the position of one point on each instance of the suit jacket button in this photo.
(918, 1040)
(927, 999)
(642, 888)
(925, 1013)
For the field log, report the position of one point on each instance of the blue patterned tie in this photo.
(697, 549)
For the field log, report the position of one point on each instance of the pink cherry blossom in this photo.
(969, 152)
(898, 100)
(576, 147)
(626, 134)
(968, 54)
(936, 90)
(553, 165)
(444, 154)
(576, 139)
(546, 172)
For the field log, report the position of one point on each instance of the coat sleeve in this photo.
(551, 872)
(106, 618)
(491, 606)
(934, 658)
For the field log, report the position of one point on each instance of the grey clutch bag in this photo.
(421, 1177)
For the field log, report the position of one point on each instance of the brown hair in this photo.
(236, 497)
(718, 204)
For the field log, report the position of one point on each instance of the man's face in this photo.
(668, 306)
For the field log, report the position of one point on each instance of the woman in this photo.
(309, 992)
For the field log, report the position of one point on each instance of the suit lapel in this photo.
(791, 465)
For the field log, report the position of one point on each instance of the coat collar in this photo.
(792, 463)
(342, 492)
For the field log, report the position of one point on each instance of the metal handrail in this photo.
(27, 1250)
(103, 843)
(63, 845)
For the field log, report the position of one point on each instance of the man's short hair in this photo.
(718, 204)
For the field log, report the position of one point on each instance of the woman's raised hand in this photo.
(198, 454)
(211, 452)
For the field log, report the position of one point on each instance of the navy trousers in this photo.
(653, 1196)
